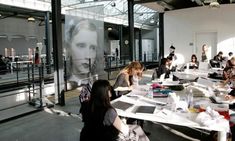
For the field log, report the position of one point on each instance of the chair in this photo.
(84, 98)
(85, 94)
(215, 64)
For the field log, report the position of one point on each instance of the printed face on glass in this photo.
(172, 50)
(83, 47)
(204, 48)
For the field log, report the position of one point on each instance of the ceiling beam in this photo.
(165, 5)
(144, 1)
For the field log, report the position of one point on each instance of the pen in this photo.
(164, 113)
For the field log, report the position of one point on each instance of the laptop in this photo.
(219, 100)
(203, 66)
(147, 77)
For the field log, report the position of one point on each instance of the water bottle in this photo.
(171, 76)
(150, 92)
(190, 98)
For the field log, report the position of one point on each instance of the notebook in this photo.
(159, 95)
(122, 105)
(219, 100)
(145, 109)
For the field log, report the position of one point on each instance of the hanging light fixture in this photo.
(152, 20)
(31, 19)
(113, 4)
(214, 5)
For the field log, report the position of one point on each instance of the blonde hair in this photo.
(233, 58)
(133, 66)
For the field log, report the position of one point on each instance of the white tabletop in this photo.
(163, 114)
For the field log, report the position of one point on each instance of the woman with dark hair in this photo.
(193, 63)
(164, 68)
(219, 57)
(101, 122)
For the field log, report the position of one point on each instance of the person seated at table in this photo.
(164, 68)
(193, 64)
(138, 76)
(229, 73)
(101, 121)
(216, 62)
(229, 63)
(219, 57)
(126, 77)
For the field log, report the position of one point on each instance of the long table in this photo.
(21, 64)
(163, 113)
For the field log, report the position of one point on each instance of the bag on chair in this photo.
(136, 133)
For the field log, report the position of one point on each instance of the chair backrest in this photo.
(215, 64)
(86, 89)
(85, 92)
(162, 77)
(84, 98)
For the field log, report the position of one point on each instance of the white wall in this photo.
(181, 26)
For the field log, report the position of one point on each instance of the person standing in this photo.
(37, 56)
(172, 53)
(173, 58)
(116, 50)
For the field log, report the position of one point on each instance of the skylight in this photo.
(115, 11)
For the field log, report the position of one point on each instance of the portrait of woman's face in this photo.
(204, 48)
(83, 47)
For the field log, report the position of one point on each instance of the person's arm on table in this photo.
(121, 126)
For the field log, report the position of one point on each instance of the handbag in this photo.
(132, 136)
(136, 133)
